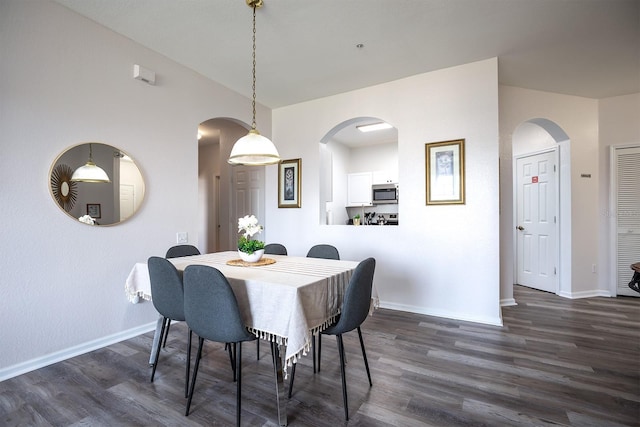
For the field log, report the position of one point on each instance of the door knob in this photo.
(521, 228)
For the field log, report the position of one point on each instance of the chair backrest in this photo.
(182, 250)
(210, 306)
(357, 298)
(167, 292)
(275, 249)
(323, 251)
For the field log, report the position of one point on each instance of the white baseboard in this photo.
(439, 313)
(508, 302)
(58, 356)
(585, 294)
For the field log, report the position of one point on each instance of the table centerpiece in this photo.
(249, 250)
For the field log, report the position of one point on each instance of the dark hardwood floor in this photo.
(555, 362)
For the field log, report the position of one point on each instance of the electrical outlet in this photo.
(182, 237)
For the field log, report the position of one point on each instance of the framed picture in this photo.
(444, 163)
(289, 183)
(93, 210)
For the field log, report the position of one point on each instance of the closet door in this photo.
(626, 192)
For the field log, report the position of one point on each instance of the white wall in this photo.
(379, 157)
(440, 260)
(66, 80)
(530, 137)
(578, 118)
(619, 125)
(208, 173)
(340, 157)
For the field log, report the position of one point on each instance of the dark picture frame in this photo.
(445, 175)
(289, 183)
(93, 210)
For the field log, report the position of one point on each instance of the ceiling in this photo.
(308, 49)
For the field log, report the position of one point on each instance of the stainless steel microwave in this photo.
(385, 193)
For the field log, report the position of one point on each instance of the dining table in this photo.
(283, 299)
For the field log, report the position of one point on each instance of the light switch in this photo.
(182, 237)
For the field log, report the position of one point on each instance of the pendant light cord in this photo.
(253, 103)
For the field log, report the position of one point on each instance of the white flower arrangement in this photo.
(87, 220)
(248, 226)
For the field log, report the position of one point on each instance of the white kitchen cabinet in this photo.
(359, 189)
(385, 177)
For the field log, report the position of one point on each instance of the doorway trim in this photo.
(563, 207)
(556, 256)
(613, 217)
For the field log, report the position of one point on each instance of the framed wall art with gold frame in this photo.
(289, 183)
(444, 167)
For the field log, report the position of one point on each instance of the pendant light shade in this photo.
(254, 149)
(90, 172)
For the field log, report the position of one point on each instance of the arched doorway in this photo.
(351, 162)
(225, 192)
(543, 147)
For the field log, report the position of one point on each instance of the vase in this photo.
(254, 257)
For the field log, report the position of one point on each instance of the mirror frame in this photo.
(66, 193)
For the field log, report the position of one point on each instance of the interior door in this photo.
(626, 177)
(536, 219)
(248, 197)
(127, 201)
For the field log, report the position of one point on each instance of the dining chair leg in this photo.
(342, 374)
(195, 374)
(258, 349)
(364, 356)
(234, 359)
(227, 347)
(313, 349)
(319, 349)
(164, 344)
(293, 376)
(186, 382)
(155, 362)
(237, 347)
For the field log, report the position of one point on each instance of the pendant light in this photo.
(90, 172)
(254, 149)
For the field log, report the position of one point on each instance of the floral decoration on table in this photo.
(87, 220)
(250, 250)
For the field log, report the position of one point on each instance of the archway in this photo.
(218, 200)
(533, 137)
(346, 151)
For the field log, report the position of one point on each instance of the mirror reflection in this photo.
(353, 163)
(80, 189)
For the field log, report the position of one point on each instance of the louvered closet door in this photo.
(627, 164)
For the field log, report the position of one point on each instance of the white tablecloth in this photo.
(285, 302)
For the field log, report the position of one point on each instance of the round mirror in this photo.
(96, 184)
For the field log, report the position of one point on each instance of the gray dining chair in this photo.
(326, 252)
(323, 251)
(168, 299)
(175, 252)
(355, 308)
(275, 249)
(181, 250)
(212, 312)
